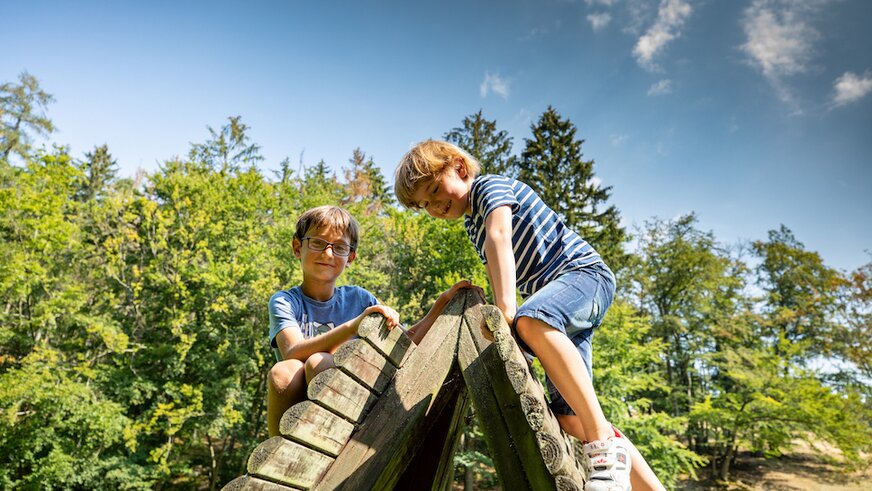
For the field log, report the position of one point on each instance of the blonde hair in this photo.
(426, 161)
(329, 217)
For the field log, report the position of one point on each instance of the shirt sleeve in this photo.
(281, 315)
(493, 192)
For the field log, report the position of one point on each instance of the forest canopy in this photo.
(133, 311)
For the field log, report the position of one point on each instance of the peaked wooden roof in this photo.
(390, 414)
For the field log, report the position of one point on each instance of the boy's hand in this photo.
(448, 294)
(392, 318)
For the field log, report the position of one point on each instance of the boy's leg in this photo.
(286, 386)
(316, 364)
(564, 366)
(566, 369)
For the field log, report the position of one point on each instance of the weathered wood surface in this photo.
(365, 364)
(249, 483)
(286, 462)
(507, 462)
(394, 344)
(534, 430)
(315, 426)
(380, 450)
(336, 391)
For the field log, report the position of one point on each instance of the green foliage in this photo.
(22, 111)
(133, 321)
(625, 383)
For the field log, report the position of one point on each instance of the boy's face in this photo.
(326, 265)
(446, 196)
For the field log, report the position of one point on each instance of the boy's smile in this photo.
(446, 196)
(321, 269)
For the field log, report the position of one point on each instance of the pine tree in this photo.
(228, 149)
(99, 169)
(22, 110)
(553, 166)
(365, 183)
(492, 148)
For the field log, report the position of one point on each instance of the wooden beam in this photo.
(380, 450)
(286, 462)
(365, 364)
(394, 344)
(507, 462)
(249, 483)
(314, 426)
(534, 430)
(338, 392)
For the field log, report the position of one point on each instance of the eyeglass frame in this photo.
(331, 245)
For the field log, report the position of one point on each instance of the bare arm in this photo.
(292, 344)
(501, 260)
(419, 330)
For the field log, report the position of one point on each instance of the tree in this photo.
(492, 148)
(99, 169)
(365, 182)
(802, 295)
(22, 110)
(228, 149)
(552, 165)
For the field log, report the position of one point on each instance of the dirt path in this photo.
(803, 469)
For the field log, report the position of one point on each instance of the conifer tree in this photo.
(99, 169)
(22, 110)
(552, 164)
(492, 148)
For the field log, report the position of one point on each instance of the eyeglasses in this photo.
(339, 248)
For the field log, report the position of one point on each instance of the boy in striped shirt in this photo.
(564, 282)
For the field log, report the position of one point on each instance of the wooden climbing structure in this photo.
(390, 415)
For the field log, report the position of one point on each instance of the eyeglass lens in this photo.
(339, 248)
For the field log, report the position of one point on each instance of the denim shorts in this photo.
(574, 303)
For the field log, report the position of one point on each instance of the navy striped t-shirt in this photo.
(544, 247)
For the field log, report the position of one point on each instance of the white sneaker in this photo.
(608, 465)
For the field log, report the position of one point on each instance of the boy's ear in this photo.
(296, 244)
(459, 167)
(351, 257)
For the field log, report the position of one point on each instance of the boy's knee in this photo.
(282, 373)
(317, 363)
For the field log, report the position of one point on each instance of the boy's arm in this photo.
(419, 330)
(501, 260)
(292, 344)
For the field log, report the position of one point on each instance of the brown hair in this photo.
(425, 161)
(331, 218)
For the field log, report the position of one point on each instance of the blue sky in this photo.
(750, 113)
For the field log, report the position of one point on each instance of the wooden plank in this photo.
(336, 391)
(394, 344)
(286, 462)
(507, 462)
(380, 450)
(249, 483)
(365, 364)
(314, 426)
(533, 427)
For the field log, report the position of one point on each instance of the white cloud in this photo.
(494, 83)
(671, 16)
(596, 182)
(618, 139)
(607, 3)
(780, 41)
(599, 21)
(662, 87)
(851, 87)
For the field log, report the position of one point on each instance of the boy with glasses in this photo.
(309, 322)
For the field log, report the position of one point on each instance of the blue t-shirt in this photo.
(544, 247)
(291, 308)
